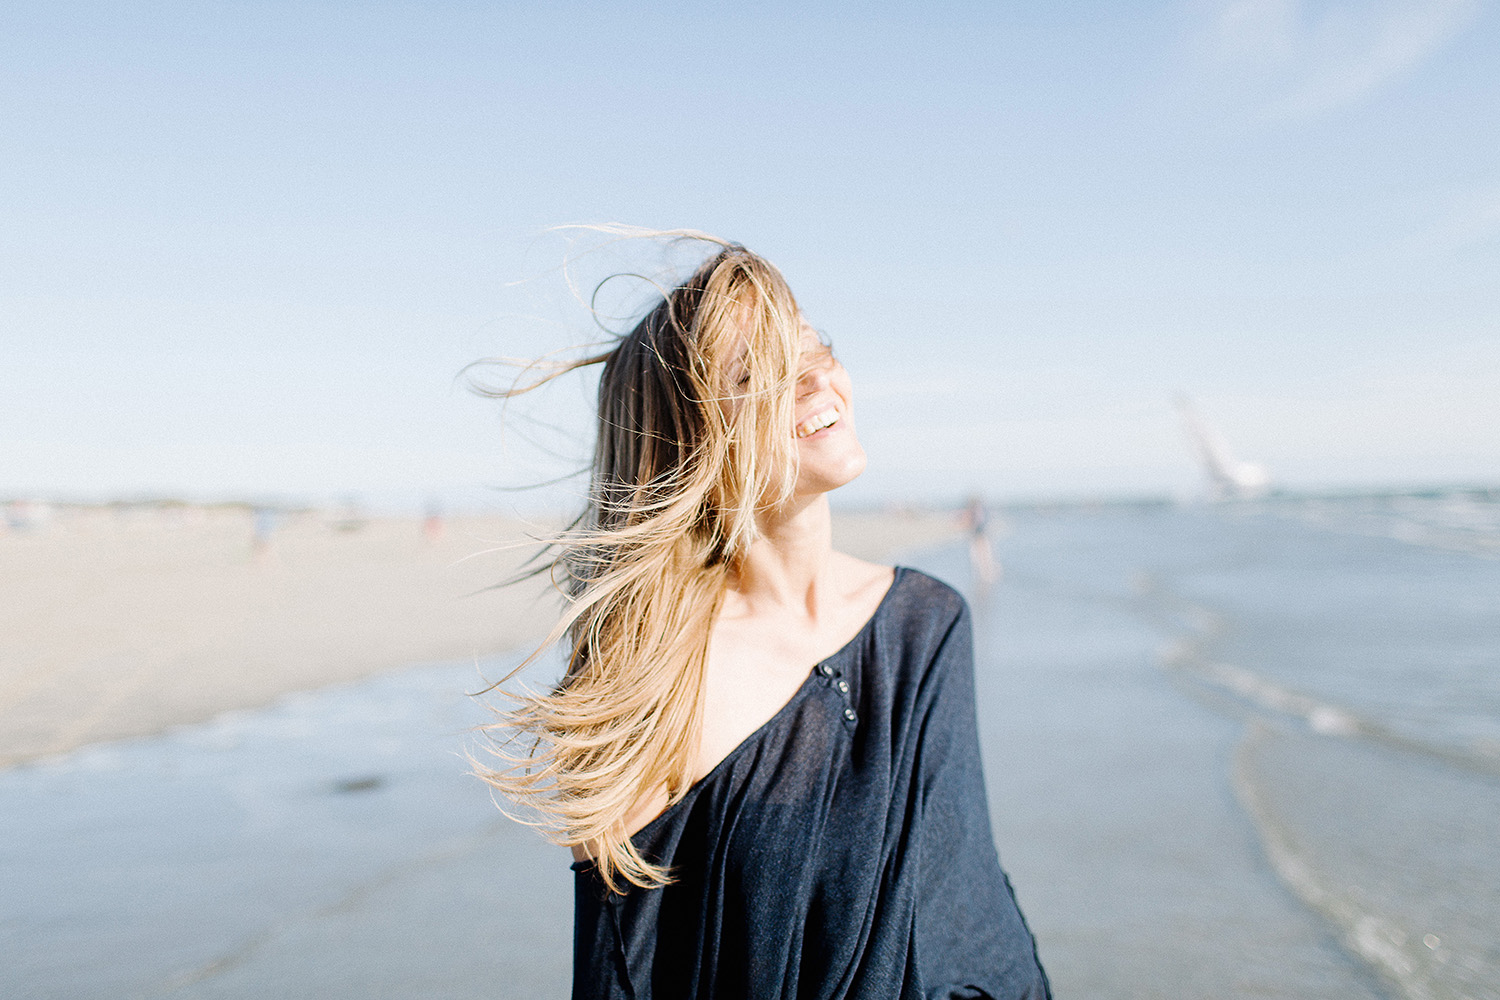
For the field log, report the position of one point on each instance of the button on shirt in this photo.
(843, 850)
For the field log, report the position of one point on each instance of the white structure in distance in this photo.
(1228, 477)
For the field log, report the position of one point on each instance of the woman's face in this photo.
(828, 450)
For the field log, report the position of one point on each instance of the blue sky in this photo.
(247, 247)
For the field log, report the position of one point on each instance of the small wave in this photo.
(1455, 521)
(1321, 717)
(1201, 627)
(1423, 966)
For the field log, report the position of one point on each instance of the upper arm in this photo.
(969, 933)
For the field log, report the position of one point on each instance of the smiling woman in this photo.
(764, 752)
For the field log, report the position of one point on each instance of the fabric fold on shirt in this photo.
(843, 850)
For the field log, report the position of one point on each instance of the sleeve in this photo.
(970, 938)
(598, 960)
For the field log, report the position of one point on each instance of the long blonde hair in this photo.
(694, 440)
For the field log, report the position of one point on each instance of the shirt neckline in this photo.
(765, 727)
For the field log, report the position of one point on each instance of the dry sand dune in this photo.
(121, 622)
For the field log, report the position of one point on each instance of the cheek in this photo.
(842, 384)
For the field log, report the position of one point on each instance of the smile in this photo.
(818, 421)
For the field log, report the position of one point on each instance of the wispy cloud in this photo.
(1300, 63)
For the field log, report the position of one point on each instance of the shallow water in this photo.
(1231, 752)
(1139, 874)
(330, 846)
(1346, 686)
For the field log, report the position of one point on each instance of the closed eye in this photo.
(817, 357)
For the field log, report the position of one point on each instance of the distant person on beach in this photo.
(763, 753)
(981, 549)
(432, 523)
(263, 526)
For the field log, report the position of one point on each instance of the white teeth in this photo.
(817, 422)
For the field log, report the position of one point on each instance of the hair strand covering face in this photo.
(694, 442)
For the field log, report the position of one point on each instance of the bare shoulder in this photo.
(862, 584)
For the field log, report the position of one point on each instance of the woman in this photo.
(764, 752)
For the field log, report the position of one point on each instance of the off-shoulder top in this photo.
(843, 850)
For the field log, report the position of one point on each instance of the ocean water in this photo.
(1272, 752)
(1244, 750)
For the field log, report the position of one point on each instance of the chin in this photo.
(829, 477)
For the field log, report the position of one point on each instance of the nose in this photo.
(813, 380)
(817, 375)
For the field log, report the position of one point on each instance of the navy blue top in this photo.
(842, 850)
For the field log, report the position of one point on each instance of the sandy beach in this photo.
(121, 622)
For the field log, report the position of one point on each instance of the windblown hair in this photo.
(695, 413)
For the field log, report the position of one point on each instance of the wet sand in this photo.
(122, 622)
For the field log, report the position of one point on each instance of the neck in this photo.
(788, 564)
